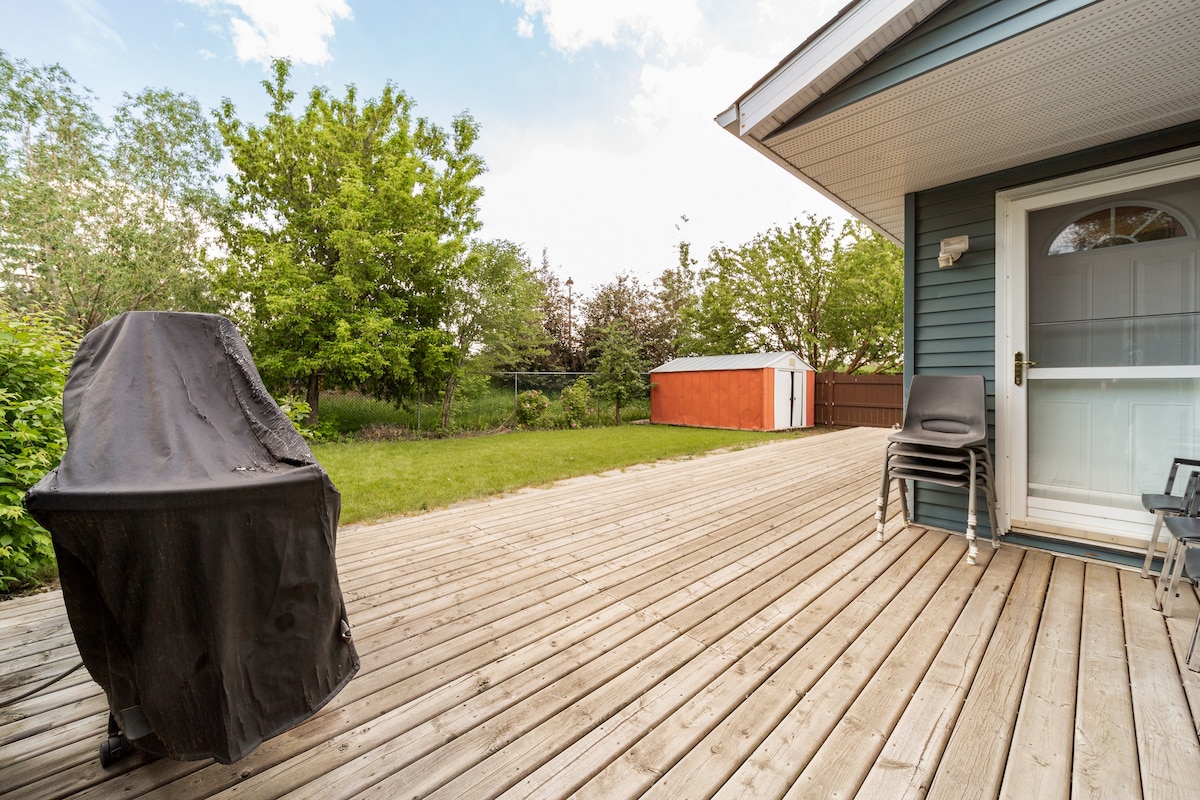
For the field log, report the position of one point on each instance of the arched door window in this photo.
(1115, 226)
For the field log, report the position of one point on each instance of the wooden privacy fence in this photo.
(873, 401)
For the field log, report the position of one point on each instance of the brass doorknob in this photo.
(1019, 365)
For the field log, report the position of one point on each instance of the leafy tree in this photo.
(348, 226)
(867, 310)
(626, 301)
(35, 353)
(493, 313)
(559, 323)
(713, 326)
(98, 221)
(675, 300)
(835, 298)
(619, 366)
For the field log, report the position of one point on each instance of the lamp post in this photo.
(570, 349)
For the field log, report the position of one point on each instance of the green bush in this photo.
(577, 404)
(35, 354)
(531, 406)
(296, 409)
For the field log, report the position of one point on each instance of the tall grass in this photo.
(383, 479)
(484, 406)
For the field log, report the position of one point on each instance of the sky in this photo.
(597, 117)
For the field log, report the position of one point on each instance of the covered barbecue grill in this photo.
(195, 538)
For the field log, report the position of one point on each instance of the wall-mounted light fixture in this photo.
(952, 248)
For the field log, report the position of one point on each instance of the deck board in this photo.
(1106, 757)
(1039, 762)
(722, 626)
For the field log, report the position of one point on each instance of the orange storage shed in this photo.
(753, 391)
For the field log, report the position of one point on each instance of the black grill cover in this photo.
(195, 539)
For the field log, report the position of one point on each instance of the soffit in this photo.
(1111, 71)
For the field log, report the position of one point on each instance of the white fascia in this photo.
(855, 26)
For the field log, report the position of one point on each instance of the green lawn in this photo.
(385, 479)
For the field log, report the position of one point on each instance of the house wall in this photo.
(740, 398)
(950, 321)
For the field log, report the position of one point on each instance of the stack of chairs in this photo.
(1164, 505)
(944, 441)
(1183, 551)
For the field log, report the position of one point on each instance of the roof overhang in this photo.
(1087, 74)
(786, 359)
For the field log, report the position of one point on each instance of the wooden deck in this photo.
(720, 627)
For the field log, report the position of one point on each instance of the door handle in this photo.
(1019, 365)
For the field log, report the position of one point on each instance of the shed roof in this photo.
(786, 358)
(897, 96)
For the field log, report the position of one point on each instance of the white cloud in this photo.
(263, 30)
(662, 26)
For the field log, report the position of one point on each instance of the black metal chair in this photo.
(944, 441)
(1185, 535)
(1192, 560)
(1163, 505)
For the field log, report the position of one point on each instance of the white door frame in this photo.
(1012, 209)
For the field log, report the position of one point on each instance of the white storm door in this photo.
(1114, 331)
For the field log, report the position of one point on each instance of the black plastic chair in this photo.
(944, 441)
(1163, 505)
(1185, 535)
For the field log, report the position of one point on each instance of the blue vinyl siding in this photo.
(950, 322)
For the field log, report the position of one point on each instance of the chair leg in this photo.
(993, 514)
(990, 494)
(882, 501)
(1193, 656)
(1164, 575)
(972, 543)
(1158, 521)
(1164, 597)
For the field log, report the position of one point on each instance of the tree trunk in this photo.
(313, 398)
(617, 415)
(448, 401)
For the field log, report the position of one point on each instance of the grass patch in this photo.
(385, 479)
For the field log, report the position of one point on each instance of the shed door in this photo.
(789, 399)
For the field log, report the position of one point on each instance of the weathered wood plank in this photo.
(843, 757)
(570, 768)
(505, 768)
(773, 766)
(1105, 754)
(860, 632)
(808, 633)
(1168, 756)
(909, 758)
(972, 765)
(1039, 763)
(1180, 625)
